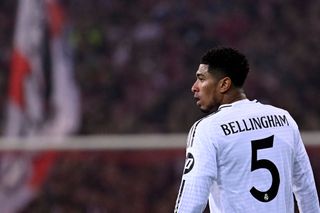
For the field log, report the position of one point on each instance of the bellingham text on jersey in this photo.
(250, 124)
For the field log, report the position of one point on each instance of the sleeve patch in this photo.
(189, 163)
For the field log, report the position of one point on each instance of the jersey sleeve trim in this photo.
(179, 196)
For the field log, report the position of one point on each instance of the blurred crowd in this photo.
(117, 182)
(135, 60)
(113, 182)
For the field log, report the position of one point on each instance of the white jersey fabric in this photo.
(246, 157)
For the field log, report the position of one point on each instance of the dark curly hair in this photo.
(227, 62)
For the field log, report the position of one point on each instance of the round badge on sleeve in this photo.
(189, 163)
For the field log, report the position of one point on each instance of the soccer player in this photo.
(246, 156)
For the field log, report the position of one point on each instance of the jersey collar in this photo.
(236, 103)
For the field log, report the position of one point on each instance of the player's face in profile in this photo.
(205, 89)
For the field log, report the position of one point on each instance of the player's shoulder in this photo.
(205, 122)
(279, 110)
(268, 108)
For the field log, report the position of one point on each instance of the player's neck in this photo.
(235, 95)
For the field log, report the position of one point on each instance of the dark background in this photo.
(135, 61)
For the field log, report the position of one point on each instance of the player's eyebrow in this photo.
(198, 75)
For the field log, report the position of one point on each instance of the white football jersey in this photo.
(246, 157)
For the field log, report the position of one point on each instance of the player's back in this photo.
(255, 147)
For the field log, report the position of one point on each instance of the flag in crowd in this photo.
(42, 100)
(30, 111)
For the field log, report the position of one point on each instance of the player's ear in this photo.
(225, 84)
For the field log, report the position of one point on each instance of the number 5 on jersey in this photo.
(271, 193)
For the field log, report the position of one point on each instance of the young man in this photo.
(246, 156)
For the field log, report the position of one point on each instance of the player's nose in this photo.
(194, 87)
